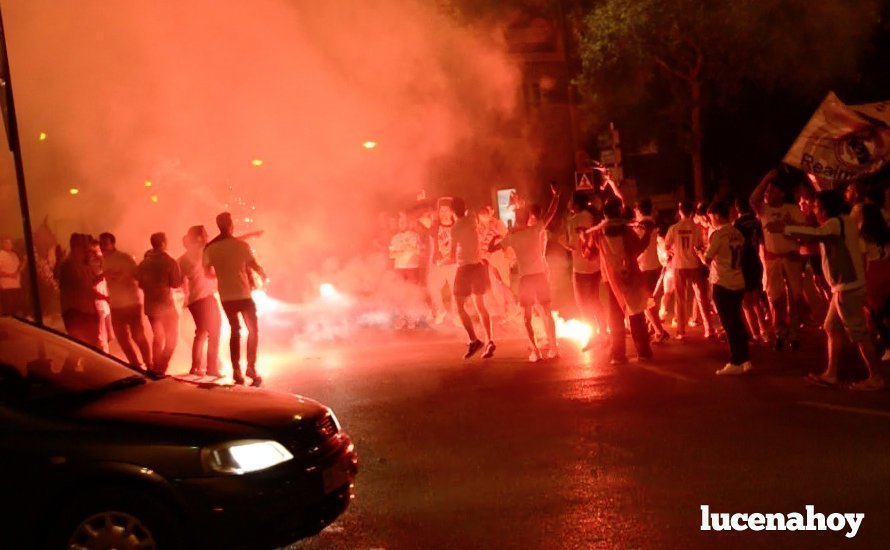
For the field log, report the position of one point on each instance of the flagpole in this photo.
(15, 147)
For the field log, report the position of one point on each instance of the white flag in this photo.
(839, 144)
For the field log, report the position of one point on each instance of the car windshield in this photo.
(38, 364)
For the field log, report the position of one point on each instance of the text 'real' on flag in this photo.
(842, 142)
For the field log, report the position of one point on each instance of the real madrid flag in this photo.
(841, 143)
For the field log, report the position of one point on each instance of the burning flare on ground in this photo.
(572, 329)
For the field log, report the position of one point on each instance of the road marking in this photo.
(842, 408)
(668, 373)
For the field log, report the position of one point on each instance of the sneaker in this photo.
(662, 337)
(257, 381)
(237, 378)
(472, 348)
(534, 355)
(795, 345)
(747, 367)
(731, 369)
(873, 383)
(553, 353)
(488, 353)
(680, 337)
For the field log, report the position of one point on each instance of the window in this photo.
(36, 364)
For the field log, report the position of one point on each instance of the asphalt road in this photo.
(574, 453)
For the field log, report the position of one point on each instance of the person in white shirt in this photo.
(200, 299)
(126, 305)
(724, 257)
(234, 264)
(471, 279)
(773, 201)
(587, 277)
(528, 242)
(650, 265)
(682, 240)
(844, 267)
(490, 228)
(10, 280)
(405, 252)
(443, 266)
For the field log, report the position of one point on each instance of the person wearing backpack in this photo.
(844, 268)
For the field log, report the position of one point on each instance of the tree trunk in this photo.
(696, 145)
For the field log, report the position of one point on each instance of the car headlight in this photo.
(334, 419)
(242, 457)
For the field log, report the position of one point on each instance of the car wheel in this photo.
(114, 518)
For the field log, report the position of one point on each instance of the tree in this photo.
(704, 52)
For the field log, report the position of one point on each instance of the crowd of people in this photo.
(748, 270)
(105, 294)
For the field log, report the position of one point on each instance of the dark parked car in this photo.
(96, 454)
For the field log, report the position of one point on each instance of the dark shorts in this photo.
(815, 262)
(410, 275)
(471, 279)
(752, 272)
(651, 278)
(534, 289)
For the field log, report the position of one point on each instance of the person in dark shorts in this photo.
(471, 279)
(752, 270)
(527, 241)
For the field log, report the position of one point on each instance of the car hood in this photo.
(171, 401)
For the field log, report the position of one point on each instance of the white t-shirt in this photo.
(198, 284)
(580, 264)
(843, 269)
(230, 257)
(528, 243)
(648, 260)
(724, 255)
(120, 272)
(681, 241)
(790, 214)
(466, 241)
(10, 263)
(404, 248)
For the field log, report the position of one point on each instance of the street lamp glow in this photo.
(42, 136)
(148, 183)
(154, 198)
(74, 191)
(257, 162)
(327, 291)
(369, 144)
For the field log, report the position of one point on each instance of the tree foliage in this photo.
(703, 52)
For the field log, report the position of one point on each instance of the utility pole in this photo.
(12, 136)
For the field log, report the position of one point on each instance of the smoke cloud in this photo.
(304, 119)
